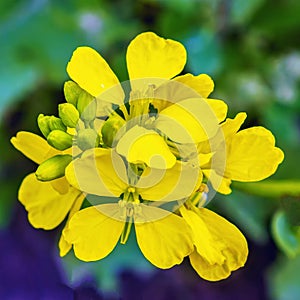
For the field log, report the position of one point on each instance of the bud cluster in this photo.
(74, 126)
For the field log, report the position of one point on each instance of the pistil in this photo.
(129, 208)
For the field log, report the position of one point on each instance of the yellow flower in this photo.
(145, 162)
(184, 115)
(250, 155)
(186, 128)
(47, 203)
(220, 247)
(163, 237)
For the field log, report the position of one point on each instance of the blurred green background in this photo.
(250, 48)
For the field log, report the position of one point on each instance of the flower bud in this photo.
(86, 106)
(53, 167)
(87, 138)
(56, 124)
(60, 140)
(43, 123)
(72, 91)
(110, 129)
(68, 114)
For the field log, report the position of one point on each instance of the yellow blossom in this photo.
(187, 127)
(151, 151)
(47, 203)
(95, 231)
(220, 247)
(250, 155)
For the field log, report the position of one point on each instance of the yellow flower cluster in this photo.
(146, 154)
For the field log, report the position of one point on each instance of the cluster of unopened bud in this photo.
(55, 131)
(74, 126)
(86, 107)
(84, 103)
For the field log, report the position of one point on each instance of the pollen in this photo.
(131, 190)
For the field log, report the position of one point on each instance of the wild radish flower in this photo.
(46, 195)
(146, 154)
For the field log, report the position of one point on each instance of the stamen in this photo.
(199, 198)
(203, 200)
(129, 208)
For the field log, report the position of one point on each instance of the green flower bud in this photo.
(72, 91)
(110, 129)
(87, 138)
(60, 139)
(86, 106)
(68, 114)
(56, 124)
(53, 167)
(43, 123)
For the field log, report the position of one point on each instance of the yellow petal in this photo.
(219, 182)
(219, 107)
(231, 126)
(206, 271)
(188, 121)
(207, 245)
(93, 234)
(149, 55)
(252, 155)
(61, 185)
(33, 146)
(228, 128)
(64, 246)
(172, 91)
(168, 185)
(212, 145)
(185, 87)
(92, 73)
(164, 242)
(228, 240)
(201, 83)
(46, 207)
(99, 171)
(205, 159)
(140, 145)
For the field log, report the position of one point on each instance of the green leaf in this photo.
(286, 236)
